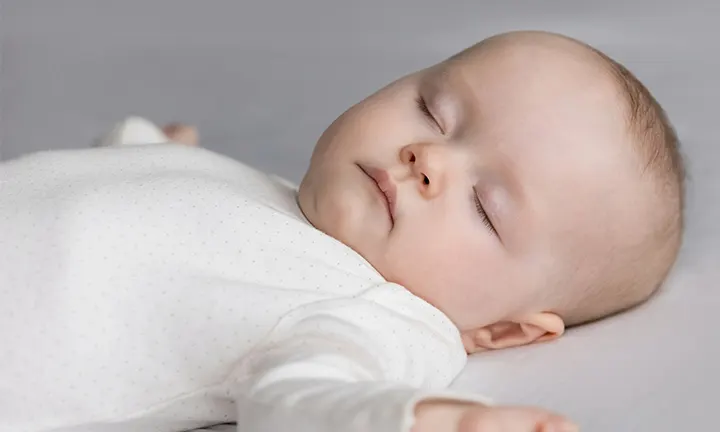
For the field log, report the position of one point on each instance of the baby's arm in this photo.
(357, 366)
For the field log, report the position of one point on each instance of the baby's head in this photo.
(533, 182)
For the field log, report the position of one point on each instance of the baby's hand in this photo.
(447, 416)
(182, 134)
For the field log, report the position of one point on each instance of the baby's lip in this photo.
(385, 186)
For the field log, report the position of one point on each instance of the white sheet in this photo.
(263, 79)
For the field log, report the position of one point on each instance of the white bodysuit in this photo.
(165, 288)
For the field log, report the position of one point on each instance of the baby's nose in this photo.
(427, 166)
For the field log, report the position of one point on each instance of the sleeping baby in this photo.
(523, 186)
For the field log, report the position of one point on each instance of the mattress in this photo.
(263, 79)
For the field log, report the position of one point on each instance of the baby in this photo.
(525, 185)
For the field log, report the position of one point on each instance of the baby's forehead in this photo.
(533, 102)
(531, 63)
(532, 47)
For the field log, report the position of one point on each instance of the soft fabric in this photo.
(164, 287)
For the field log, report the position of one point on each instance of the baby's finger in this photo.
(182, 134)
(558, 424)
(514, 419)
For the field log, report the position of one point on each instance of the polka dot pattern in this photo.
(134, 279)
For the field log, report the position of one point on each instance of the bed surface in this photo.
(262, 79)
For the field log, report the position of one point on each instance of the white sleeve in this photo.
(356, 365)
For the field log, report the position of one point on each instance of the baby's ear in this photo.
(539, 327)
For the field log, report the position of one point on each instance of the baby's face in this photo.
(503, 168)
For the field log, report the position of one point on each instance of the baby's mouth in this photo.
(385, 187)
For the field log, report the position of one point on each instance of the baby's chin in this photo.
(305, 202)
(321, 216)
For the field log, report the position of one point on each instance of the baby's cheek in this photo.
(427, 264)
(464, 267)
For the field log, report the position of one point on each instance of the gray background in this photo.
(262, 79)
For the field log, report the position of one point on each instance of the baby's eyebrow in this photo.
(443, 77)
(438, 80)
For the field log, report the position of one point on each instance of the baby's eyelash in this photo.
(422, 105)
(481, 211)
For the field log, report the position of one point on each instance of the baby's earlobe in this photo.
(533, 328)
